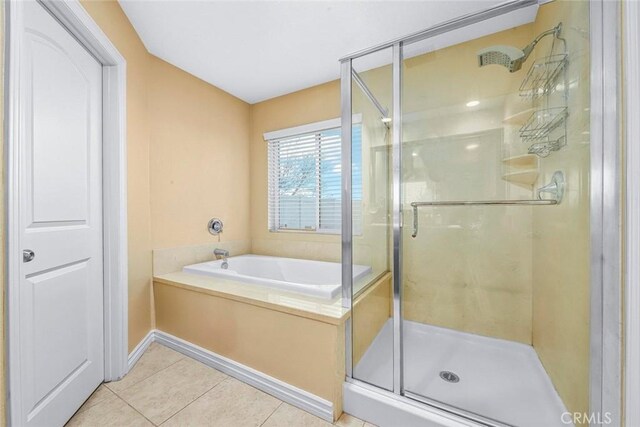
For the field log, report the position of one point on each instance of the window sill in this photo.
(320, 232)
(316, 232)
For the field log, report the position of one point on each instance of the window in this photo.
(305, 177)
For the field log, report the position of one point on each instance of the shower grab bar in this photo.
(555, 188)
(416, 205)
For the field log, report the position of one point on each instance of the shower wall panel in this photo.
(561, 281)
(469, 268)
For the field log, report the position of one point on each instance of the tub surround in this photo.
(302, 346)
(294, 338)
(313, 278)
(368, 288)
(168, 264)
(329, 311)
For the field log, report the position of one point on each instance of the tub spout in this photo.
(223, 254)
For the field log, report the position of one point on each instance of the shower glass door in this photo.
(495, 296)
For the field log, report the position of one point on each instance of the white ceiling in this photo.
(258, 50)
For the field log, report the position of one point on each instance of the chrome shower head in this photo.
(507, 56)
(510, 57)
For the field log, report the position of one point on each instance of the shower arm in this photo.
(529, 48)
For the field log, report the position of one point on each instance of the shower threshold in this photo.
(494, 378)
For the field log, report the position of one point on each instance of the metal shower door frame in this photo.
(605, 204)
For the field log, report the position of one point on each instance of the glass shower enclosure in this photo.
(466, 188)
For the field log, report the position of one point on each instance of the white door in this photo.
(60, 194)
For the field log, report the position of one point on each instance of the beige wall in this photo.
(199, 159)
(561, 256)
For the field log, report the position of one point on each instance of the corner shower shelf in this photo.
(544, 148)
(528, 161)
(542, 122)
(526, 177)
(541, 78)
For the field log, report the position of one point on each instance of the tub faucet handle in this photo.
(555, 188)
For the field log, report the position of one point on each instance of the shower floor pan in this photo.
(496, 379)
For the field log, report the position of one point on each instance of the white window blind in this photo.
(305, 180)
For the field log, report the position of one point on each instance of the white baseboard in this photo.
(142, 346)
(286, 392)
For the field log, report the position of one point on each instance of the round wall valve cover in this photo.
(215, 226)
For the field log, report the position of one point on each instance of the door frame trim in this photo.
(79, 23)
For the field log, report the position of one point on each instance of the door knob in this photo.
(28, 255)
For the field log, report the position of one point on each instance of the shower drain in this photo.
(449, 376)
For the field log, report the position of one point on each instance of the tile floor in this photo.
(169, 389)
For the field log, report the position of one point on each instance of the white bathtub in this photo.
(314, 278)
